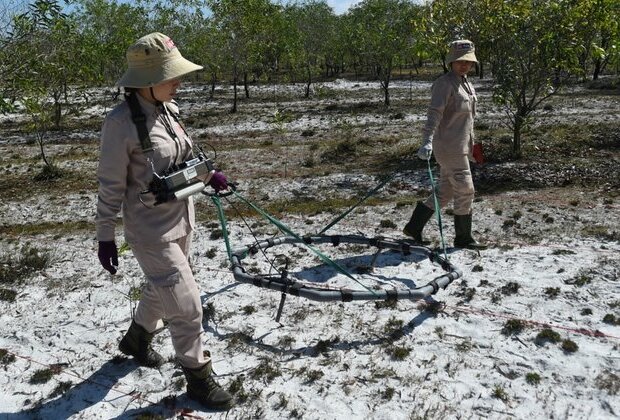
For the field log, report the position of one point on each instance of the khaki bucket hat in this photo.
(154, 59)
(462, 49)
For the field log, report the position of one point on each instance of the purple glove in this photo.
(218, 182)
(108, 255)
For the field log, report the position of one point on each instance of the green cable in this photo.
(222, 217)
(437, 209)
(286, 230)
(369, 194)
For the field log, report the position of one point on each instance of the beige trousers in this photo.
(455, 183)
(172, 294)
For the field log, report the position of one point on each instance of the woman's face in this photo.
(462, 67)
(163, 92)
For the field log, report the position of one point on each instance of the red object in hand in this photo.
(218, 181)
(477, 153)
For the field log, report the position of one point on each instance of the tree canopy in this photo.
(530, 48)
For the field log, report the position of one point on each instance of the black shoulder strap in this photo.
(175, 115)
(138, 118)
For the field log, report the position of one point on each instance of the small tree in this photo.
(248, 31)
(533, 55)
(315, 26)
(46, 56)
(384, 31)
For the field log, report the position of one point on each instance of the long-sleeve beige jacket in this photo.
(125, 171)
(450, 116)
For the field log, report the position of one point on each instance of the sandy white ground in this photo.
(335, 360)
(460, 364)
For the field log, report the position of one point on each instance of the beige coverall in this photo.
(450, 123)
(159, 236)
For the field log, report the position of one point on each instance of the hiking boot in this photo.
(419, 218)
(203, 388)
(137, 343)
(462, 230)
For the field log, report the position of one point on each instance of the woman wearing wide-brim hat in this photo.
(143, 136)
(449, 134)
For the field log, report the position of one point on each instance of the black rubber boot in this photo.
(202, 387)
(419, 218)
(137, 343)
(462, 229)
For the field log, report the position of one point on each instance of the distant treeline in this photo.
(522, 44)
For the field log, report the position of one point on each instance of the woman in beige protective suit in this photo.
(449, 133)
(132, 150)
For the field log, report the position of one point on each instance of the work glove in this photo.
(218, 182)
(425, 151)
(108, 255)
(478, 154)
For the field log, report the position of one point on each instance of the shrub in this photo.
(399, 352)
(41, 376)
(609, 382)
(386, 223)
(569, 346)
(6, 357)
(511, 288)
(547, 335)
(532, 378)
(513, 327)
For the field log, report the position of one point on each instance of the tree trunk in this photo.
(597, 69)
(57, 109)
(43, 155)
(308, 83)
(517, 153)
(212, 91)
(245, 85)
(385, 84)
(234, 107)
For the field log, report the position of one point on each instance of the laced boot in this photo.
(462, 229)
(419, 218)
(203, 388)
(137, 343)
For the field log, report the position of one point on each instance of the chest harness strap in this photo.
(139, 119)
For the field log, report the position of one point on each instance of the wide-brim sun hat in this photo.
(154, 59)
(463, 50)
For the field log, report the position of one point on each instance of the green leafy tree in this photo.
(249, 36)
(108, 29)
(46, 60)
(445, 21)
(598, 30)
(208, 47)
(383, 29)
(534, 54)
(49, 58)
(315, 27)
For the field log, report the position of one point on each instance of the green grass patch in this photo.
(19, 186)
(45, 228)
(13, 269)
(266, 371)
(7, 295)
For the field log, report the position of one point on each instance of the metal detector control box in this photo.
(181, 181)
(187, 171)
